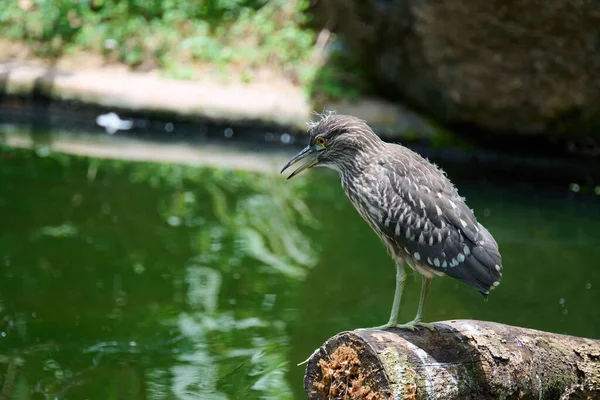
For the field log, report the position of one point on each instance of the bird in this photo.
(410, 204)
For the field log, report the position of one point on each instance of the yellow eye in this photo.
(320, 141)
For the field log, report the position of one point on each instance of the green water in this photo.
(131, 280)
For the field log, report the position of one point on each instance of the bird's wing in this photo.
(429, 220)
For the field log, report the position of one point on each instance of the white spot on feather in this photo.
(429, 261)
(444, 264)
(397, 229)
(463, 223)
(439, 237)
(466, 250)
(438, 209)
(460, 257)
(452, 203)
(421, 203)
(421, 238)
(417, 256)
(496, 284)
(407, 233)
(431, 240)
(375, 212)
(497, 267)
(436, 262)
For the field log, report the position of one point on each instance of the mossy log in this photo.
(461, 359)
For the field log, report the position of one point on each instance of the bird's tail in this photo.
(482, 269)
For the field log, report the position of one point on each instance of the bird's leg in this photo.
(400, 281)
(425, 282)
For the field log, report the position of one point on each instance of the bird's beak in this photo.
(308, 157)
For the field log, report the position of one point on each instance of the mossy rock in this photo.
(518, 67)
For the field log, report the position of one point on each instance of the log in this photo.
(461, 359)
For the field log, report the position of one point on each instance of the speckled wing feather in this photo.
(430, 222)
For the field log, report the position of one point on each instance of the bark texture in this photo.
(462, 359)
(516, 67)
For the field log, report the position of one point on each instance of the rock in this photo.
(507, 67)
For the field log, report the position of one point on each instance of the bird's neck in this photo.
(354, 168)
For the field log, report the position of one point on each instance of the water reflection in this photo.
(147, 279)
(152, 280)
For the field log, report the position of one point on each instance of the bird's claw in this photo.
(411, 326)
(427, 325)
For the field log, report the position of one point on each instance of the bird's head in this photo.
(336, 141)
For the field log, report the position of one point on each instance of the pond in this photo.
(131, 279)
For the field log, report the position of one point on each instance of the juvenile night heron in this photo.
(410, 204)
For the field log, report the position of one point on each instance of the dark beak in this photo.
(308, 158)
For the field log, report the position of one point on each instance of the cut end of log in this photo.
(343, 369)
(343, 376)
(460, 360)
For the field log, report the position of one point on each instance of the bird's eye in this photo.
(320, 141)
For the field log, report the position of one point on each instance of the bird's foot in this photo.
(412, 325)
(427, 325)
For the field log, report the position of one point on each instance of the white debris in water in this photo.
(169, 127)
(286, 138)
(574, 187)
(588, 286)
(112, 123)
(228, 133)
(561, 301)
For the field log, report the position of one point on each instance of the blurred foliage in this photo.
(340, 77)
(184, 39)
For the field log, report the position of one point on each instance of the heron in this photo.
(410, 204)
